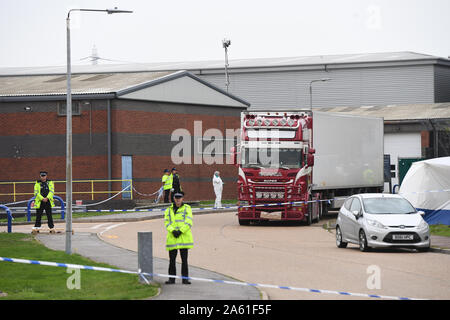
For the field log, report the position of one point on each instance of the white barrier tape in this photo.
(94, 204)
(76, 266)
(12, 203)
(426, 191)
(147, 194)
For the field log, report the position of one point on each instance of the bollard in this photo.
(61, 201)
(8, 213)
(145, 256)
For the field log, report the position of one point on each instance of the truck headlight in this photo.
(280, 195)
(266, 194)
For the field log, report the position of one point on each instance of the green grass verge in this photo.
(440, 230)
(29, 282)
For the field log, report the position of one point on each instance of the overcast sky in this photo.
(33, 32)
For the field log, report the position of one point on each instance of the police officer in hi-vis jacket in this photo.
(44, 190)
(178, 223)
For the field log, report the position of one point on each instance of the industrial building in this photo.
(122, 129)
(368, 79)
(409, 90)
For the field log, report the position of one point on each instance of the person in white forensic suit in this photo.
(218, 187)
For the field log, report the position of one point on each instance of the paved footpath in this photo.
(90, 246)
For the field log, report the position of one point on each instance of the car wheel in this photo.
(339, 242)
(363, 241)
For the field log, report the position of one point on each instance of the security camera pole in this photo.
(226, 43)
(69, 128)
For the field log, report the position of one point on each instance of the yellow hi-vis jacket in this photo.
(180, 220)
(167, 180)
(39, 197)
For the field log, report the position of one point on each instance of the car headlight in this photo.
(423, 225)
(376, 224)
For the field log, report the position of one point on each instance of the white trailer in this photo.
(349, 155)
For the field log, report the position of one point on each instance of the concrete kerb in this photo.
(164, 292)
(262, 293)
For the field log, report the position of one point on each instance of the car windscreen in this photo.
(388, 206)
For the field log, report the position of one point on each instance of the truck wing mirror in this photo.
(310, 160)
(312, 150)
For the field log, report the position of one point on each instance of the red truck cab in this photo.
(275, 161)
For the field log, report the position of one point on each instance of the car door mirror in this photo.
(356, 213)
(421, 213)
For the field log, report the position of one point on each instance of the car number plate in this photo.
(402, 237)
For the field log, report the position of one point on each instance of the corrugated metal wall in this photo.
(349, 87)
(442, 83)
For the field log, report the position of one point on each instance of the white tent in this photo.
(427, 186)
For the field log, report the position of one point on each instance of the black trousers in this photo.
(48, 211)
(166, 195)
(184, 263)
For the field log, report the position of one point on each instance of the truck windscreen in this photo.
(286, 158)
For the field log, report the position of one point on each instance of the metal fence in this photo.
(86, 189)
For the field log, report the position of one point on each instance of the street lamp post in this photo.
(310, 89)
(69, 127)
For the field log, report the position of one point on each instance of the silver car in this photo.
(379, 221)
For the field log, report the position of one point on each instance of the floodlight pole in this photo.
(226, 43)
(69, 127)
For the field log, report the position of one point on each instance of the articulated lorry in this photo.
(295, 165)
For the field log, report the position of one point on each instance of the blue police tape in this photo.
(214, 208)
(77, 266)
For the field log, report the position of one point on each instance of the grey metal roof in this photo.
(300, 61)
(81, 83)
(104, 85)
(407, 112)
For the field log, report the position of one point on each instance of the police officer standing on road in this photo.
(176, 186)
(43, 192)
(167, 184)
(178, 222)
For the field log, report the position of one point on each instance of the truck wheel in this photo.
(319, 214)
(339, 242)
(244, 222)
(310, 212)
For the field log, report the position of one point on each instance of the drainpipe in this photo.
(435, 140)
(108, 107)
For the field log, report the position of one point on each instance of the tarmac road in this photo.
(296, 256)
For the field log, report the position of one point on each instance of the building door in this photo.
(403, 166)
(127, 174)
